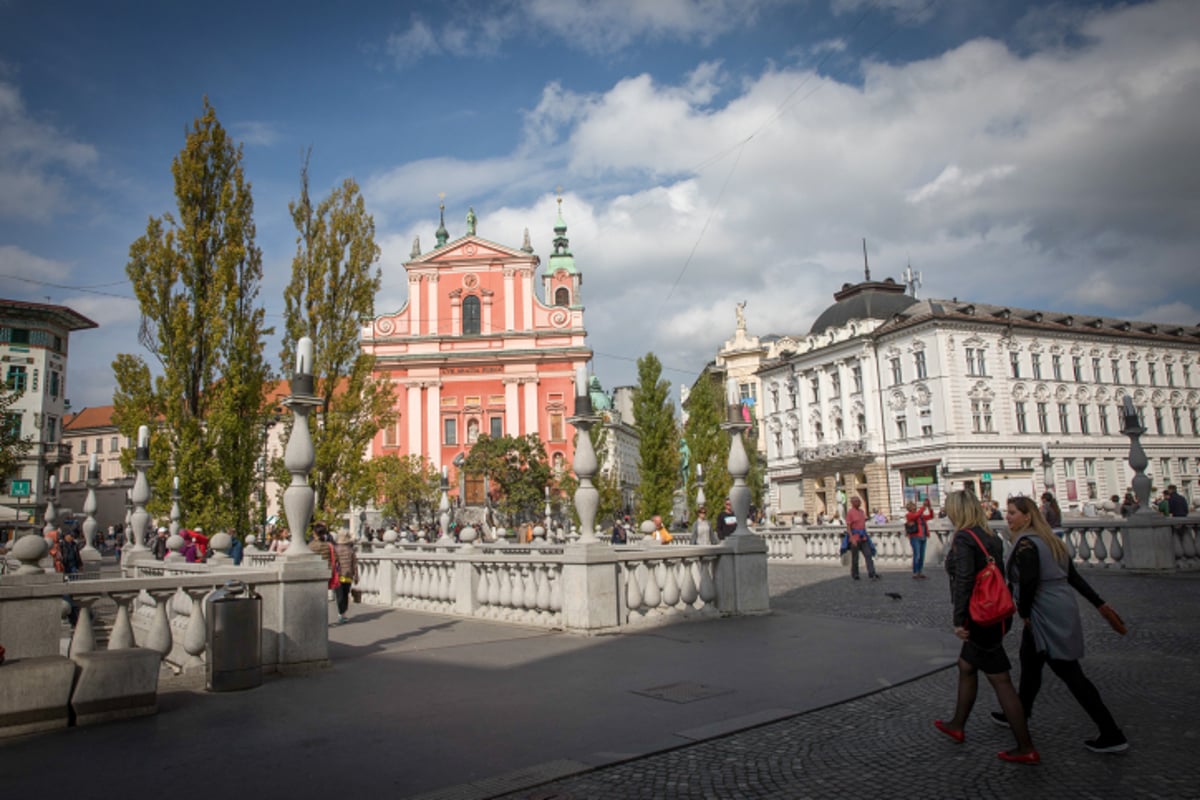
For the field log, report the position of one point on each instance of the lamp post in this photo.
(738, 463)
(299, 456)
(587, 497)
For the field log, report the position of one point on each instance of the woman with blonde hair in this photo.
(971, 547)
(1045, 580)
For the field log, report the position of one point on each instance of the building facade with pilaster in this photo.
(894, 399)
(34, 350)
(475, 350)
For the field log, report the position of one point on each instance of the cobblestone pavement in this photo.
(885, 746)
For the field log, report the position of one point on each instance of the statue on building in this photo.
(471, 220)
(741, 316)
(416, 248)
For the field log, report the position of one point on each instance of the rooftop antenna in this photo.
(866, 264)
(912, 279)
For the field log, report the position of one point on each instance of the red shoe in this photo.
(957, 736)
(1032, 758)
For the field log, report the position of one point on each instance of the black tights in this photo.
(342, 593)
(1070, 673)
(968, 688)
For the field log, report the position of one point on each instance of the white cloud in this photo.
(1052, 179)
(35, 159)
(255, 133)
(22, 272)
(413, 44)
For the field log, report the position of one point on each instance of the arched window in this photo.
(562, 296)
(470, 308)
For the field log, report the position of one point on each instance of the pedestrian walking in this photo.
(858, 540)
(1045, 581)
(346, 565)
(916, 527)
(971, 547)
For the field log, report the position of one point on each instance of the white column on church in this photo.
(531, 405)
(414, 305)
(433, 420)
(527, 300)
(414, 418)
(487, 314)
(511, 419)
(432, 311)
(509, 302)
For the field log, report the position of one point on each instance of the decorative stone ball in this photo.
(175, 543)
(221, 542)
(390, 536)
(30, 548)
(467, 534)
(539, 532)
(648, 528)
(250, 540)
(1108, 506)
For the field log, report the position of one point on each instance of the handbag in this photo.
(912, 528)
(991, 601)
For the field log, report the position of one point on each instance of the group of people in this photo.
(1044, 582)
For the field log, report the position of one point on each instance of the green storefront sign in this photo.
(19, 488)
(986, 477)
(920, 480)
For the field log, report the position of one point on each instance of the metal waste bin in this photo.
(234, 620)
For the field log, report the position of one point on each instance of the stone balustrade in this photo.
(1158, 542)
(577, 588)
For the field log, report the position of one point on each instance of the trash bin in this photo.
(234, 620)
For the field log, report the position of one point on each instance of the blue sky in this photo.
(710, 151)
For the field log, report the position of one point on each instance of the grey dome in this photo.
(867, 300)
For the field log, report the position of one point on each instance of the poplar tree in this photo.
(709, 444)
(196, 278)
(331, 294)
(658, 447)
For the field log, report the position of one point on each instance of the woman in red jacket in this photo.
(917, 527)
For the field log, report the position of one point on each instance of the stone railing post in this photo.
(89, 553)
(298, 498)
(139, 518)
(1149, 544)
(742, 573)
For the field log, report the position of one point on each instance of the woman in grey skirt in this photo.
(1045, 582)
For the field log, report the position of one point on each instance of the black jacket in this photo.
(964, 562)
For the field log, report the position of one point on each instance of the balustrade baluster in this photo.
(670, 584)
(554, 575)
(121, 636)
(481, 586)
(1085, 550)
(83, 638)
(707, 589)
(543, 590)
(159, 636)
(633, 591)
(1100, 550)
(504, 600)
(518, 587)
(1117, 551)
(194, 638)
(650, 592)
(493, 595)
(687, 588)
(1188, 541)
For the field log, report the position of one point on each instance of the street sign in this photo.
(19, 488)
(987, 477)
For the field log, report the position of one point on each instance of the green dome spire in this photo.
(443, 235)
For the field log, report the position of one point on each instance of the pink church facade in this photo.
(475, 350)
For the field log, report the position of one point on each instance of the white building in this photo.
(892, 399)
(34, 344)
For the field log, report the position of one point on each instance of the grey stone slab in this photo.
(734, 724)
(683, 692)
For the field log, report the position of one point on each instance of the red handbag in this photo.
(991, 602)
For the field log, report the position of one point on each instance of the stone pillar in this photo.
(139, 519)
(298, 457)
(414, 305)
(512, 424)
(531, 405)
(431, 313)
(433, 421)
(412, 391)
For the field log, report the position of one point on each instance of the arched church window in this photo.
(562, 296)
(470, 309)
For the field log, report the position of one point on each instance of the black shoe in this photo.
(999, 718)
(854, 576)
(874, 577)
(1109, 743)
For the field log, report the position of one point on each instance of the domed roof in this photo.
(866, 300)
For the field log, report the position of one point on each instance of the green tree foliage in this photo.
(332, 291)
(709, 444)
(405, 487)
(518, 471)
(659, 445)
(196, 278)
(13, 446)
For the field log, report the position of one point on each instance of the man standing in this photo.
(856, 530)
(1176, 503)
(726, 521)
